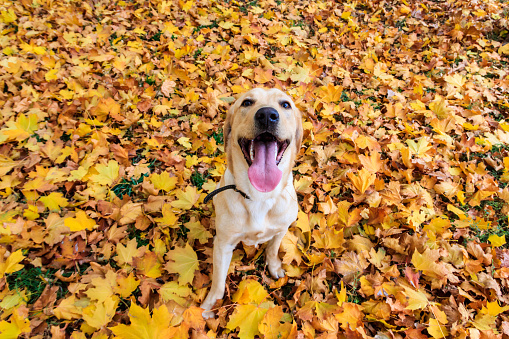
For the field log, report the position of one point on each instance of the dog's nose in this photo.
(267, 117)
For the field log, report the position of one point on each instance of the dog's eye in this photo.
(246, 103)
(286, 105)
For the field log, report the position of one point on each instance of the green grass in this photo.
(33, 280)
(500, 229)
(125, 187)
(214, 24)
(140, 236)
(198, 179)
(218, 137)
(197, 53)
(150, 80)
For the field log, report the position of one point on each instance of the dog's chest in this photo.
(255, 239)
(262, 223)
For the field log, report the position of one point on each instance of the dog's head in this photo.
(263, 134)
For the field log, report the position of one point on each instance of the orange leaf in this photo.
(363, 180)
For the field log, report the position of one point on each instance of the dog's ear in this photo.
(299, 131)
(227, 128)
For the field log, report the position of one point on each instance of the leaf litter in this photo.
(110, 138)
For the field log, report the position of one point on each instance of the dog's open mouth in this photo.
(263, 154)
(265, 141)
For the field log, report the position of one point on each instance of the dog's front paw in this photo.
(207, 306)
(276, 270)
(208, 314)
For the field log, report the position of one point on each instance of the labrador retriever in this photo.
(255, 201)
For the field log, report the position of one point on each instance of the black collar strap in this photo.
(224, 188)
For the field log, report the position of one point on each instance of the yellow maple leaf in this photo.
(448, 188)
(328, 238)
(102, 288)
(262, 76)
(301, 74)
(470, 127)
(271, 326)
(184, 141)
(105, 107)
(129, 212)
(143, 325)
(51, 75)
(149, 265)
(12, 263)
(420, 148)
(330, 93)
(8, 16)
(186, 199)
(184, 261)
(163, 181)
(31, 212)
(416, 299)
(341, 296)
(106, 174)
(250, 291)
(126, 285)
(197, 231)
(54, 201)
(99, 314)
(461, 197)
(71, 308)
(186, 6)
(125, 254)
(13, 299)
(418, 106)
(363, 180)
(496, 240)
(173, 291)
(504, 49)
(437, 225)
(346, 15)
(322, 310)
(373, 163)
(193, 318)
(328, 206)
(303, 222)
(290, 246)
(436, 329)
(168, 218)
(439, 107)
(456, 80)
(15, 326)
(493, 308)
(81, 222)
(247, 318)
(345, 217)
(6, 164)
(20, 129)
(162, 109)
(425, 262)
(351, 316)
(479, 196)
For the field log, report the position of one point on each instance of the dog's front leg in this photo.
(222, 257)
(272, 258)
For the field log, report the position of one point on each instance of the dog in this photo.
(255, 201)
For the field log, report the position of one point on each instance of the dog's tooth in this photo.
(275, 151)
(251, 151)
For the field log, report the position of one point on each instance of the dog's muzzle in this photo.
(266, 119)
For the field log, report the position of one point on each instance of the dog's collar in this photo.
(224, 188)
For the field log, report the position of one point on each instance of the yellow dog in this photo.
(255, 201)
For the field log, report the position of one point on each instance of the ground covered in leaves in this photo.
(110, 138)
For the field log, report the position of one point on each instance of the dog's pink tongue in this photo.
(264, 173)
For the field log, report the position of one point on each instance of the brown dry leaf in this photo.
(111, 132)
